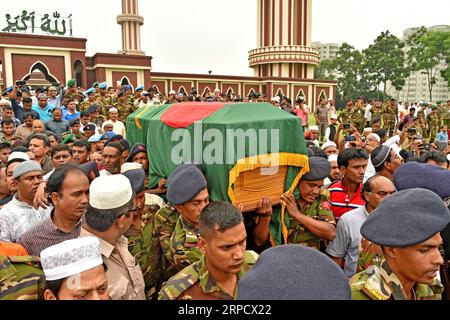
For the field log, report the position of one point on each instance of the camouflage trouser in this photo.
(390, 128)
(432, 134)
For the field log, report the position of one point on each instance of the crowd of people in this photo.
(79, 221)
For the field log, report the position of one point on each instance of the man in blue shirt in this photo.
(43, 108)
(72, 112)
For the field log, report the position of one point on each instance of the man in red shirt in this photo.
(345, 195)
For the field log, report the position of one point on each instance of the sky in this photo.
(196, 36)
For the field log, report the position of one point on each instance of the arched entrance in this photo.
(39, 76)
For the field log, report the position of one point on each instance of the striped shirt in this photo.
(47, 234)
(341, 202)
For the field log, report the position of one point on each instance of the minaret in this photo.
(284, 40)
(131, 23)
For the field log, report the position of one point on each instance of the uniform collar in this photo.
(208, 284)
(383, 284)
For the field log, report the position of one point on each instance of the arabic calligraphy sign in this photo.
(49, 24)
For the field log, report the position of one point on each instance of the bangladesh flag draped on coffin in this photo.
(227, 139)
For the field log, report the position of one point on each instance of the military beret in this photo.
(406, 218)
(185, 183)
(294, 272)
(89, 167)
(103, 86)
(115, 138)
(319, 168)
(89, 91)
(74, 122)
(421, 175)
(137, 179)
(71, 83)
(92, 108)
(139, 88)
(90, 126)
(121, 93)
(137, 148)
(95, 84)
(125, 144)
(95, 138)
(107, 135)
(8, 90)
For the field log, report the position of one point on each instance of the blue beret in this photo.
(420, 175)
(129, 87)
(89, 91)
(95, 138)
(92, 108)
(406, 218)
(90, 126)
(114, 138)
(74, 121)
(319, 168)
(108, 135)
(139, 88)
(137, 179)
(103, 86)
(294, 272)
(8, 90)
(185, 183)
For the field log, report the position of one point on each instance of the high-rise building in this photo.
(327, 51)
(416, 86)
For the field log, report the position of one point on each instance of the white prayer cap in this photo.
(19, 155)
(332, 157)
(71, 257)
(376, 136)
(127, 166)
(334, 117)
(5, 103)
(328, 144)
(113, 110)
(316, 128)
(110, 192)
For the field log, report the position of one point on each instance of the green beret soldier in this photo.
(406, 226)
(222, 241)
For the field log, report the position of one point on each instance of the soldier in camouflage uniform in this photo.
(358, 115)
(72, 93)
(90, 93)
(184, 243)
(123, 106)
(405, 272)
(21, 278)
(433, 124)
(376, 110)
(390, 117)
(315, 209)
(187, 195)
(103, 99)
(221, 225)
(346, 115)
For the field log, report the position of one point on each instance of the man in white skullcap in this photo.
(109, 216)
(330, 148)
(118, 126)
(74, 270)
(19, 215)
(335, 173)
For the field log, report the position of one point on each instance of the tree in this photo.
(427, 50)
(349, 72)
(324, 70)
(384, 61)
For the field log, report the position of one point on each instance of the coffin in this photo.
(236, 178)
